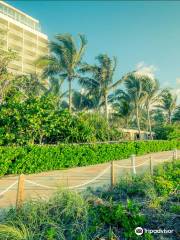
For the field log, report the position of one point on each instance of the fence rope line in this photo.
(39, 185)
(142, 163)
(120, 166)
(167, 159)
(80, 185)
(128, 166)
(92, 180)
(8, 188)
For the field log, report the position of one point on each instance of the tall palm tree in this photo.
(100, 78)
(64, 60)
(122, 105)
(134, 88)
(176, 115)
(168, 103)
(151, 89)
(84, 101)
(55, 89)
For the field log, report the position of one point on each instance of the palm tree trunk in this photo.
(138, 122)
(106, 107)
(149, 123)
(70, 94)
(169, 117)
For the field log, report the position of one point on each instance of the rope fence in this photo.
(111, 168)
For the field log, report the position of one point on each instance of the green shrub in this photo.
(39, 120)
(168, 132)
(39, 158)
(64, 216)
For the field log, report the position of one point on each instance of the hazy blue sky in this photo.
(144, 34)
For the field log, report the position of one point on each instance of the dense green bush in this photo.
(100, 128)
(39, 158)
(167, 132)
(39, 120)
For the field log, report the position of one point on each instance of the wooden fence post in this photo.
(151, 165)
(112, 174)
(175, 154)
(20, 191)
(133, 164)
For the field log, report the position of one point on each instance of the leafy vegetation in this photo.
(168, 132)
(147, 201)
(33, 108)
(40, 121)
(34, 158)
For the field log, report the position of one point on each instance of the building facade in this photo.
(22, 34)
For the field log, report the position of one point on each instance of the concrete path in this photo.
(44, 184)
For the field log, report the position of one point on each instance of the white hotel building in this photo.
(22, 34)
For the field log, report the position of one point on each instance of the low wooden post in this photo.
(175, 154)
(20, 191)
(133, 164)
(112, 174)
(151, 165)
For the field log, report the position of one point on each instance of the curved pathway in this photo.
(44, 184)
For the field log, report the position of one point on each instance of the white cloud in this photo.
(148, 70)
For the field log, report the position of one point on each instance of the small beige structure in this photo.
(133, 134)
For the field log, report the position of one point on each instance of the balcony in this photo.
(30, 49)
(42, 44)
(15, 45)
(3, 27)
(15, 27)
(16, 33)
(29, 62)
(29, 57)
(43, 40)
(28, 68)
(14, 36)
(31, 39)
(15, 66)
(30, 34)
(30, 44)
(15, 71)
(29, 53)
(42, 49)
(17, 62)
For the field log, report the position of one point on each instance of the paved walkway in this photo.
(44, 184)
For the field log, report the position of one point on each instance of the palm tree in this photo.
(134, 88)
(100, 79)
(176, 115)
(55, 89)
(64, 60)
(168, 103)
(82, 101)
(151, 89)
(122, 105)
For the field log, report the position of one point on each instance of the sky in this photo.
(141, 34)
